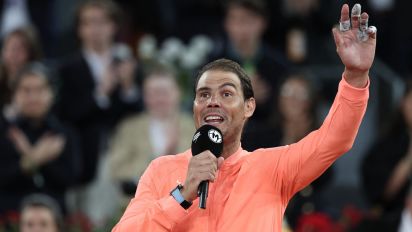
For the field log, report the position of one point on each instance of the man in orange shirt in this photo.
(249, 191)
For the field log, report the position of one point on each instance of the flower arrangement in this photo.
(184, 58)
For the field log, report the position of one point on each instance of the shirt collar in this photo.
(229, 162)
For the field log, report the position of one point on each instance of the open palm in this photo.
(355, 54)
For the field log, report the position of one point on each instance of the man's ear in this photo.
(250, 106)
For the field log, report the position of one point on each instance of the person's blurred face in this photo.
(33, 97)
(37, 219)
(96, 29)
(15, 53)
(219, 102)
(244, 26)
(294, 99)
(161, 96)
(407, 109)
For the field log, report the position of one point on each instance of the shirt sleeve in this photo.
(306, 160)
(148, 211)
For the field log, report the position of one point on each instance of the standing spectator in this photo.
(161, 129)
(97, 82)
(19, 48)
(38, 153)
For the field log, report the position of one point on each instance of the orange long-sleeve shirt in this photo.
(252, 189)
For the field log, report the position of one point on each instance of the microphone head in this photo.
(207, 137)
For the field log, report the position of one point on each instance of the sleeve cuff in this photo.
(352, 93)
(172, 209)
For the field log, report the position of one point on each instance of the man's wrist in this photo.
(356, 78)
(176, 193)
(183, 191)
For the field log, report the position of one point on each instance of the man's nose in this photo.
(214, 101)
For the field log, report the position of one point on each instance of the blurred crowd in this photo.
(92, 91)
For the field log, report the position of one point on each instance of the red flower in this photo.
(316, 222)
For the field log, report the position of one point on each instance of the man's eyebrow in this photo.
(202, 89)
(228, 84)
(220, 87)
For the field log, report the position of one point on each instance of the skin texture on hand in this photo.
(357, 55)
(201, 167)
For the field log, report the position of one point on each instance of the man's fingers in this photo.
(363, 27)
(364, 21)
(344, 13)
(355, 15)
(372, 32)
(344, 21)
(220, 162)
(203, 176)
(337, 38)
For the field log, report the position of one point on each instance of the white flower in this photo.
(122, 51)
(190, 59)
(172, 48)
(147, 47)
(201, 44)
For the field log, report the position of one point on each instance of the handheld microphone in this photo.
(210, 138)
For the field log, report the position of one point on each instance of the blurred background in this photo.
(92, 91)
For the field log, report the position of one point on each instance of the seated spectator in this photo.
(38, 153)
(20, 47)
(161, 129)
(387, 169)
(100, 76)
(40, 213)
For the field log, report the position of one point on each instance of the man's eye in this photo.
(204, 95)
(227, 94)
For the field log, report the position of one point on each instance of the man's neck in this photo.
(229, 148)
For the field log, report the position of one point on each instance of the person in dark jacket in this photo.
(97, 85)
(38, 153)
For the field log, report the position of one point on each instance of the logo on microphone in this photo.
(215, 136)
(196, 136)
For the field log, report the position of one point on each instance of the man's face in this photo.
(33, 97)
(219, 102)
(37, 219)
(244, 26)
(96, 28)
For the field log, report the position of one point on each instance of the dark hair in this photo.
(229, 66)
(30, 39)
(112, 10)
(35, 68)
(31, 43)
(44, 201)
(256, 6)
